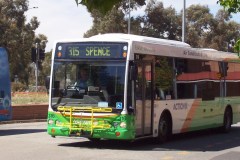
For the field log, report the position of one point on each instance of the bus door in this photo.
(144, 100)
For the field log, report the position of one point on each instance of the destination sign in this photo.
(91, 50)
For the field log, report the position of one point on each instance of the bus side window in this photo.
(159, 93)
(208, 91)
(163, 78)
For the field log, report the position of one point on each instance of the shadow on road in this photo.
(202, 141)
(19, 131)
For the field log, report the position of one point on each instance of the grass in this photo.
(29, 98)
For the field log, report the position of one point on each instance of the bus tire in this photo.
(227, 120)
(164, 128)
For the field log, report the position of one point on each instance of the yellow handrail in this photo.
(92, 110)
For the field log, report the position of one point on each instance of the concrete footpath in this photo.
(23, 121)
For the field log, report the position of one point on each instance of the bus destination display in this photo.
(91, 50)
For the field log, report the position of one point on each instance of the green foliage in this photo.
(107, 24)
(18, 87)
(222, 32)
(18, 37)
(164, 75)
(101, 5)
(104, 6)
(161, 22)
(202, 27)
(233, 6)
(237, 46)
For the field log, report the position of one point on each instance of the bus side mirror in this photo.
(133, 72)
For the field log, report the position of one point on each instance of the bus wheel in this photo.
(164, 128)
(227, 121)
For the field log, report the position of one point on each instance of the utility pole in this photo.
(36, 71)
(129, 16)
(184, 21)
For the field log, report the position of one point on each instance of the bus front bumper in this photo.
(111, 133)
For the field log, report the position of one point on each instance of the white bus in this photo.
(141, 87)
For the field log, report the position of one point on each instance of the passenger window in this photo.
(232, 80)
(197, 79)
(163, 78)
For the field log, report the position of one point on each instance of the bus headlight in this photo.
(58, 123)
(95, 122)
(123, 125)
(50, 121)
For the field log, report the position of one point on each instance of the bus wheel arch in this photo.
(165, 126)
(227, 119)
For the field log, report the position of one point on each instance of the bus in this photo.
(141, 87)
(5, 89)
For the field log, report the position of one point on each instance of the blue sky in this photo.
(63, 19)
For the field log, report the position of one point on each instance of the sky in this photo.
(63, 19)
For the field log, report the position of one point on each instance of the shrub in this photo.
(18, 87)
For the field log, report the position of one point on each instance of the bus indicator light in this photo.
(53, 130)
(124, 54)
(59, 54)
(117, 134)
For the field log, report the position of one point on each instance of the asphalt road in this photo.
(29, 141)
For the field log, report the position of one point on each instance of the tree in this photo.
(237, 47)
(233, 6)
(113, 21)
(161, 22)
(223, 31)
(104, 6)
(199, 23)
(17, 36)
(203, 28)
(107, 23)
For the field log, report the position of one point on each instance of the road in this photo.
(29, 141)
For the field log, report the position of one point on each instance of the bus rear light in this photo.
(117, 134)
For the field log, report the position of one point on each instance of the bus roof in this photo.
(157, 46)
(138, 38)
